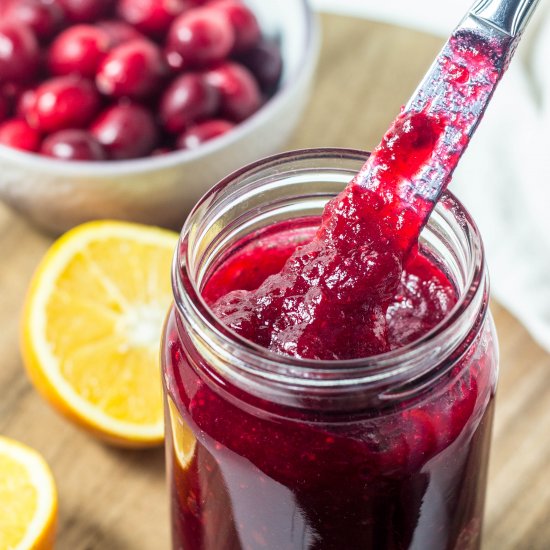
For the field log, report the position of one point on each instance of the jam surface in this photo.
(421, 295)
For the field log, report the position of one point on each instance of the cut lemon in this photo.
(28, 499)
(92, 326)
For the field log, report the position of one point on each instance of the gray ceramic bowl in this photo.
(56, 195)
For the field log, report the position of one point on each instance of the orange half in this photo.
(92, 327)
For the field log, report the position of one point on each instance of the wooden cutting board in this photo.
(116, 500)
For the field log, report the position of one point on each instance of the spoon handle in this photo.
(506, 16)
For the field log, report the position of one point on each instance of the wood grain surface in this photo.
(116, 500)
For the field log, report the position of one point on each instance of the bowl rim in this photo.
(305, 66)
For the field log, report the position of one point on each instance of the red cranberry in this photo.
(242, 19)
(126, 131)
(265, 63)
(42, 17)
(79, 49)
(19, 54)
(85, 11)
(134, 70)
(199, 36)
(63, 102)
(204, 131)
(17, 133)
(240, 95)
(187, 99)
(119, 32)
(73, 145)
(25, 102)
(153, 17)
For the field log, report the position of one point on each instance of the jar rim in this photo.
(340, 372)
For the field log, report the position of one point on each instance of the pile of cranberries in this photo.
(122, 79)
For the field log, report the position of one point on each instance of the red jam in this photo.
(337, 299)
(407, 479)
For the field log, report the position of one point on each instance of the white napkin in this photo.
(504, 177)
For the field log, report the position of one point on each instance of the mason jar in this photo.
(271, 452)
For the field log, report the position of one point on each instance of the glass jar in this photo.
(278, 453)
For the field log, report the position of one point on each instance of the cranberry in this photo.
(199, 36)
(265, 63)
(153, 17)
(134, 69)
(119, 31)
(242, 19)
(126, 131)
(204, 131)
(187, 99)
(19, 54)
(63, 102)
(85, 11)
(79, 49)
(42, 17)
(25, 102)
(17, 133)
(240, 95)
(73, 145)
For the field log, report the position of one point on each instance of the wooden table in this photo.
(116, 500)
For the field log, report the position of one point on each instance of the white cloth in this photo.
(503, 178)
